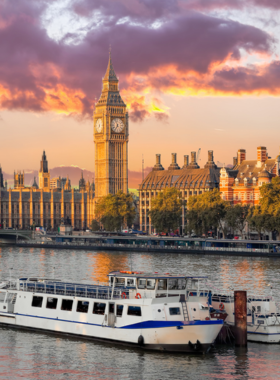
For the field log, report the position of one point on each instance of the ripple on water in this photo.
(32, 355)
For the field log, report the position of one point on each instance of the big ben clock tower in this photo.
(110, 132)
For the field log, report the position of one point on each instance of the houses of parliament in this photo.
(52, 201)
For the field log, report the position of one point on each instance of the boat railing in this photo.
(150, 246)
(74, 290)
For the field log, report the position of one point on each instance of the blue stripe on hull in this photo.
(139, 325)
(260, 333)
(160, 324)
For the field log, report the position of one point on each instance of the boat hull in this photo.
(269, 334)
(187, 337)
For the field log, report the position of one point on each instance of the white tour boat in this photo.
(150, 310)
(263, 318)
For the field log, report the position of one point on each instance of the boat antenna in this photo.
(10, 270)
(53, 272)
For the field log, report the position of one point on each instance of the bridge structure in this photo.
(12, 236)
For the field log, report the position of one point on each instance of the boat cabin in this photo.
(156, 285)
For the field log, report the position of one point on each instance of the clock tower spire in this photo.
(110, 133)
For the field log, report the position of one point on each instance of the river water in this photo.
(33, 355)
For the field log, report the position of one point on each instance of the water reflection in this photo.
(32, 355)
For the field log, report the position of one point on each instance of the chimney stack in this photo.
(193, 158)
(158, 165)
(174, 165)
(261, 154)
(193, 164)
(241, 156)
(186, 161)
(157, 159)
(210, 156)
(210, 163)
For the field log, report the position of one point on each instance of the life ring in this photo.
(221, 306)
(123, 295)
(207, 319)
(138, 296)
(191, 294)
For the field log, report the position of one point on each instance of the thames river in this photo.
(29, 355)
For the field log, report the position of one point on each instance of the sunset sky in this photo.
(194, 74)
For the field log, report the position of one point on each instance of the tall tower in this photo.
(110, 132)
(18, 180)
(44, 175)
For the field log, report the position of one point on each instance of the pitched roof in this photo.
(182, 178)
(110, 74)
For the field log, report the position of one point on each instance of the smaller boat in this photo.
(263, 317)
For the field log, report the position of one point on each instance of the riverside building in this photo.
(242, 183)
(190, 180)
(45, 206)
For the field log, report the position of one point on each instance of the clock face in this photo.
(117, 125)
(99, 125)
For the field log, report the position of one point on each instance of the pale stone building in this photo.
(189, 180)
(44, 175)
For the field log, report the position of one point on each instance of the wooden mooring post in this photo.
(240, 312)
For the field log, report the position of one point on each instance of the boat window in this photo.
(119, 310)
(51, 303)
(120, 281)
(162, 284)
(82, 306)
(130, 281)
(134, 310)
(141, 283)
(37, 301)
(181, 283)
(99, 308)
(203, 307)
(174, 311)
(172, 284)
(259, 308)
(67, 305)
(151, 283)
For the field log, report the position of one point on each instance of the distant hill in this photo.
(74, 173)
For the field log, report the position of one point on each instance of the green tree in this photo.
(258, 220)
(236, 217)
(266, 216)
(95, 225)
(270, 197)
(207, 211)
(115, 211)
(166, 210)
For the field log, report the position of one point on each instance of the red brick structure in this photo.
(242, 183)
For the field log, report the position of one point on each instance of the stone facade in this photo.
(110, 138)
(23, 208)
(189, 180)
(44, 175)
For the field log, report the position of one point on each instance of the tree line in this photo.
(203, 213)
(209, 212)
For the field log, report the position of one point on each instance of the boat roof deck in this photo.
(151, 275)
